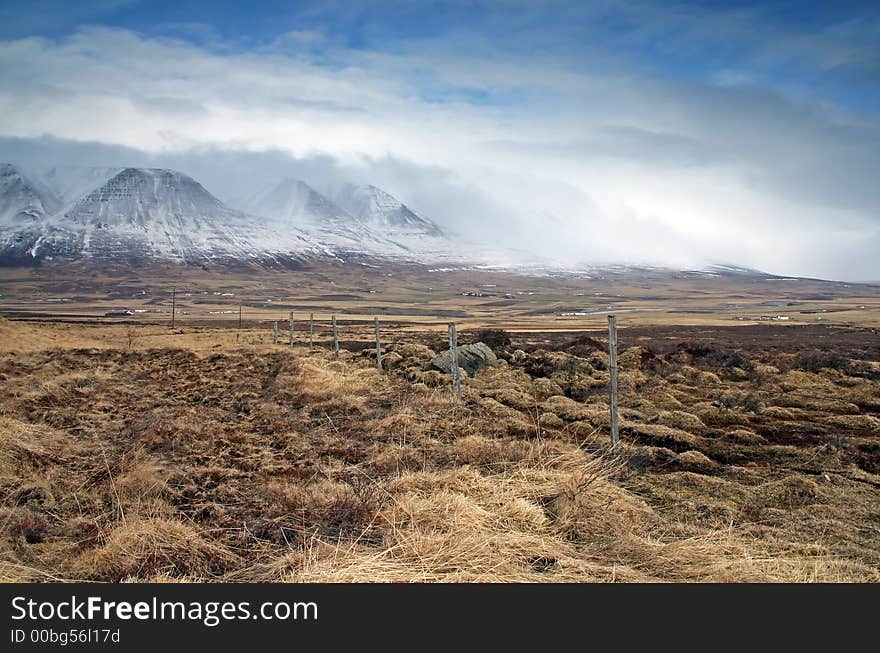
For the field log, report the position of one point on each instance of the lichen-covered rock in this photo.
(471, 358)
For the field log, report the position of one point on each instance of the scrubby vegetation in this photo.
(249, 462)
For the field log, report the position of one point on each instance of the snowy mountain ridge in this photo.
(23, 199)
(380, 209)
(137, 215)
(134, 216)
(367, 230)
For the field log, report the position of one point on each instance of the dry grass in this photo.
(262, 463)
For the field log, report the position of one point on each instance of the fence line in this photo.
(453, 349)
(453, 345)
(454, 370)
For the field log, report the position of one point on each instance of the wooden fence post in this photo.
(173, 305)
(378, 347)
(612, 367)
(311, 330)
(275, 333)
(238, 333)
(453, 355)
(335, 338)
(291, 328)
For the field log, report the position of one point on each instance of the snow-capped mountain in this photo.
(381, 210)
(24, 205)
(142, 215)
(143, 198)
(138, 215)
(294, 203)
(23, 200)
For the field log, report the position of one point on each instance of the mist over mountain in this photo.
(70, 183)
(22, 199)
(377, 208)
(134, 215)
(139, 215)
(295, 201)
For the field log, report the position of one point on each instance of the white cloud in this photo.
(631, 167)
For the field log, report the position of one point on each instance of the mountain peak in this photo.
(163, 176)
(379, 208)
(137, 196)
(293, 200)
(142, 214)
(22, 199)
(138, 214)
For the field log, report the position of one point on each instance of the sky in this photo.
(666, 133)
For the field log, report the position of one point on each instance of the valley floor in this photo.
(137, 452)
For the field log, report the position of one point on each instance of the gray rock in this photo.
(470, 357)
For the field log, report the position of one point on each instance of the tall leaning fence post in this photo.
(335, 338)
(275, 332)
(612, 368)
(291, 329)
(378, 346)
(311, 330)
(453, 361)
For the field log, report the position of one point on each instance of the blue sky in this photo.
(743, 131)
(789, 44)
